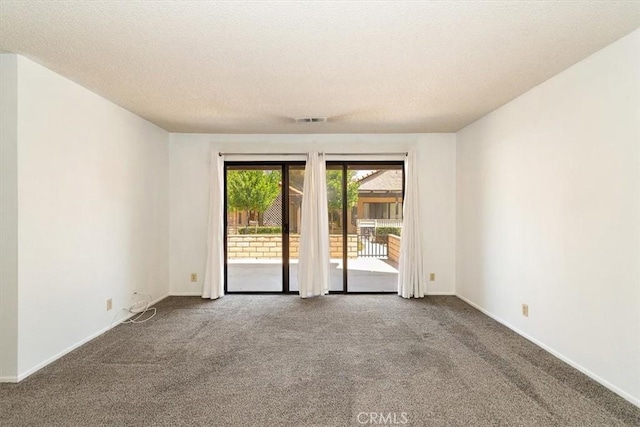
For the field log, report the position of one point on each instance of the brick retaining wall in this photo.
(394, 247)
(270, 246)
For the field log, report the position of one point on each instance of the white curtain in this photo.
(214, 273)
(411, 278)
(313, 260)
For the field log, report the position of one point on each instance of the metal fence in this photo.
(369, 245)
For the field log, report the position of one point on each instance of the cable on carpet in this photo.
(140, 308)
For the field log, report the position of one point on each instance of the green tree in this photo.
(252, 191)
(334, 194)
(334, 189)
(296, 178)
(334, 186)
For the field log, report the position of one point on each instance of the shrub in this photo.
(382, 233)
(259, 230)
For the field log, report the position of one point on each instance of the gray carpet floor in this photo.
(253, 360)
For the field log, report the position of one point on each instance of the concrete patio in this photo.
(265, 275)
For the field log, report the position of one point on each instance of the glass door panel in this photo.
(254, 228)
(335, 179)
(296, 186)
(374, 226)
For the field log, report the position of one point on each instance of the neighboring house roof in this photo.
(381, 181)
(292, 190)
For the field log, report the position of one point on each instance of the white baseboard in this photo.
(23, 375)
(8, 379)
(450, 293)
(560, 356)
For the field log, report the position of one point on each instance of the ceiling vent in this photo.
(311, 120)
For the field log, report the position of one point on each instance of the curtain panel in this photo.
(313, 261)
(411, 277)
(214, 272)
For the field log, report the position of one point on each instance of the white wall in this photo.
(8, 218)
(189, 192)
(548, 214)
(93, 213)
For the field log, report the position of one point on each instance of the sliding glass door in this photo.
(374, 226)
(254, 228)
(365, 225)
(263, 203)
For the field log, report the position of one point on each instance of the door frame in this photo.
(345, 164)
(284, 173)
(284, 170)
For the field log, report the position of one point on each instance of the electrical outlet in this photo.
(432, 277)
(109, 304)
(194, 277)
(525, 310)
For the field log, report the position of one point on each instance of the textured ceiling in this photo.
(251, 67)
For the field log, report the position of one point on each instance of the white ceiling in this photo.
(251, 67)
